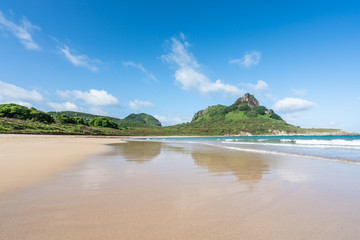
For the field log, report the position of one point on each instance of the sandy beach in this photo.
(156, 190)
(29, 159)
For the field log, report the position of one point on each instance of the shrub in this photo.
(14, 111)
(20, 112)
(63, 118)
(243, 107)
(40, 116)
(260, 110)
(102, 122)
(79, 121)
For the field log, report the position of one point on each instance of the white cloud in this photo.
(299, 91)
(137, 105)
(259, 86)
(168, 121)
(93, 97)
(79, 60)
(21, 31)
(66, 106)
(188, 74)
(291, 105)
(10, 93)
(249, 59)
(139, 66)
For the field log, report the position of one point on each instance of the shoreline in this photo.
(27, 159)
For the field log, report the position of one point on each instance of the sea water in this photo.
(332, 148)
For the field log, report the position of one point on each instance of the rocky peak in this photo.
(249, 99)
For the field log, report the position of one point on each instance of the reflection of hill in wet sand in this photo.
(137, 151)
(245, 167)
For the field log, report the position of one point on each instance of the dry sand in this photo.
(29, 159)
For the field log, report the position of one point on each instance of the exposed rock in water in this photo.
(249, 99)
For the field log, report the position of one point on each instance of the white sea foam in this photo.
(333, 142)
(355, 144)
(287, 154)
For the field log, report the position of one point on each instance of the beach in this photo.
(28, 159)
(180, 190)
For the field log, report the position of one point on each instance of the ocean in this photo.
(331, 148)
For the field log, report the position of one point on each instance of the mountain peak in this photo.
(249, 99)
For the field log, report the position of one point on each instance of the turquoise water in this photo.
(333, 148)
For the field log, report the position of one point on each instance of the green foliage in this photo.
(20, 112)
(273, 115)
(243, 107)
(14, 111)
(80, 121)
(143, 119)
(133, 120)
(40, 116)
(260, 110)
(102, 122)
(252, 114)
(65, 119)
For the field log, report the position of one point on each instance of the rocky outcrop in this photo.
(199, 114)
(249, 99)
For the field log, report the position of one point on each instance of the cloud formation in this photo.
(291, 105)
(22, 31)
(188, 74)
(79, 60)
(259, 86)
(248, 60)
(137, 105)
(66, 106)
(10, 93)
(168, 121)
(93, 97)
(149, 75)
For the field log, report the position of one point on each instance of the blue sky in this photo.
(173, 58)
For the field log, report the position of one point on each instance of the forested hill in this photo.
(244, 117)
(133, 120)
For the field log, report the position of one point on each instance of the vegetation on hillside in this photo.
(244, 117)
(133, 120)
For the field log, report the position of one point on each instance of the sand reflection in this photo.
(245, 167)
(137, 151)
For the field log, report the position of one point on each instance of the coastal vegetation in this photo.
(245, 117)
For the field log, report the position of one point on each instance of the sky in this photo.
(173, 58)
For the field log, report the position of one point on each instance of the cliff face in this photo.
(249, 99)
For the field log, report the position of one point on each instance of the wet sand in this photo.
(29, 159)
(153, 190)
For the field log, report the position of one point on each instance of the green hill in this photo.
(143, 118)
(133, 120)
(246, 116)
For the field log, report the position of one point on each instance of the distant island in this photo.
(245, 117)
